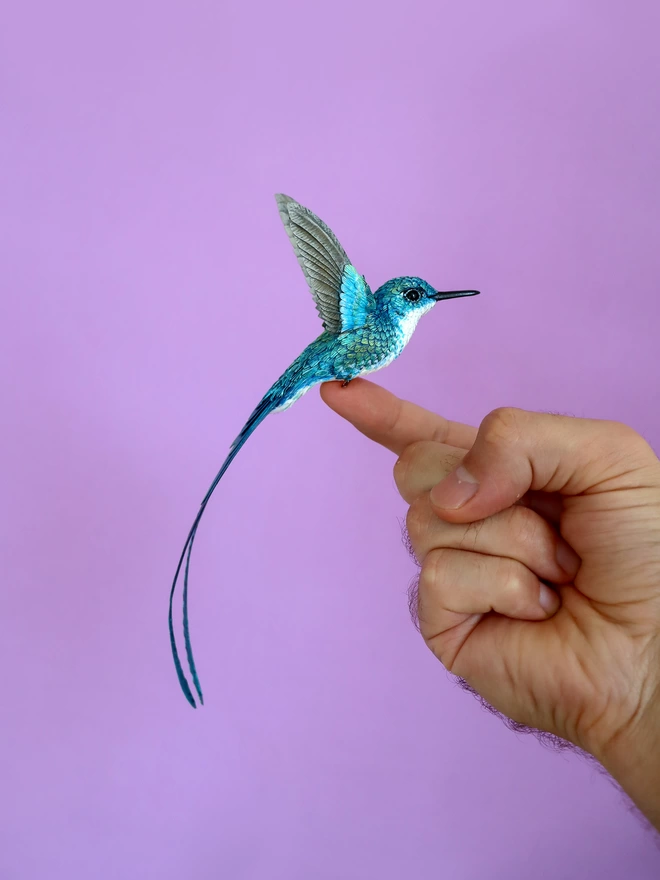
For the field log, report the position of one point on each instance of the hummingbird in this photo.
(363, 331)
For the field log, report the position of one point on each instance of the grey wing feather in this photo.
(321, 257)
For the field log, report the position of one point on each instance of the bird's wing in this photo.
(342, 296)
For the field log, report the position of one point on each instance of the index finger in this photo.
(394, 423)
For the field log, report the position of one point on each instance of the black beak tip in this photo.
(452, 294)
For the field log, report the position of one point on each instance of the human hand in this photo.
(537, 500)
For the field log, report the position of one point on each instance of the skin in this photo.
(538, 538)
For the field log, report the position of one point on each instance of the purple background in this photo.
(150, 296)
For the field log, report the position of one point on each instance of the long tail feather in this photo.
(269, 403)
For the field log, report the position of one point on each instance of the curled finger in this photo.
(457, 588)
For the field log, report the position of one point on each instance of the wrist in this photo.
(632, 758)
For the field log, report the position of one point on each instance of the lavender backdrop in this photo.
(150, 296)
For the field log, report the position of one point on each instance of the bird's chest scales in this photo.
(373, 347)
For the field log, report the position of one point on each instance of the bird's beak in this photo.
(451, 294)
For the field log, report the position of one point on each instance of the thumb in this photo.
(516, 451)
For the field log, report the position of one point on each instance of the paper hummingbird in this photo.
(363, 331)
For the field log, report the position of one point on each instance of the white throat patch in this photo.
(409, 322)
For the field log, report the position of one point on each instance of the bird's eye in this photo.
(412, 294)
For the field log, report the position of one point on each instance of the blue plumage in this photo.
(363, 332)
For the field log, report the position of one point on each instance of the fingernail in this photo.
(548, 600)
(567, 559)
(455, 490)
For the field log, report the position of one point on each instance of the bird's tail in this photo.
(287, 389)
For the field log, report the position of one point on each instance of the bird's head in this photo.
(410, 297)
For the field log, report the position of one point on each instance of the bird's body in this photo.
(351, 354)
(363, 332)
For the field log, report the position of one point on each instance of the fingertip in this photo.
(568, 560)
(548, 600)
(328, 392)
(354, 399)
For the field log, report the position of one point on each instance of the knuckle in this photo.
(406, 463)
(629, 441)
(399, 471)
(503, 425)
(435, 574)
(513, 584)
(622, 450)
(417, 518)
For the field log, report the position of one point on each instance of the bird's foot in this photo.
(345, 383)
